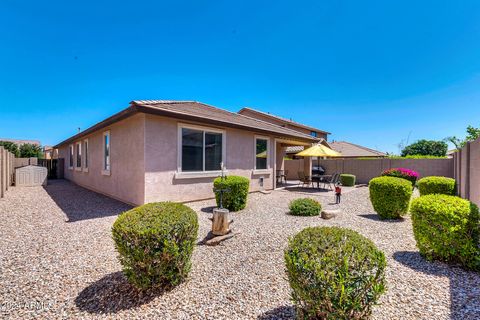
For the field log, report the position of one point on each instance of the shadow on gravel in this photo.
(111, 294)
(208, 209)
(283, 312)
(375, 217)
(464, 285)
(81, 204)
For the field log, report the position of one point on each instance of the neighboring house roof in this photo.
(297, 149)
(19, 141)
(282, 119)
(195, 111)
(348, 149)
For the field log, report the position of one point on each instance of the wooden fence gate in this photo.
(52, 166)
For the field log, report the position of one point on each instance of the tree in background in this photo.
(426, 148)
(10, 146)
(28, 150)
(472, 134)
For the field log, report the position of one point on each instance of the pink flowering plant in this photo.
(404, 173)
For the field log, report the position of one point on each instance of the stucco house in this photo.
(157, 150)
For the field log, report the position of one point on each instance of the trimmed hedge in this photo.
(334, 273)
(155, 243)
(403, 173)
(305, 207)
(446, 228)
(437, 185)
(347, 180)
(390, 196)
(236, 198)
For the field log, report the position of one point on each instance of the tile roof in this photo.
(290, 121)
(348, 149)
(194, 111)
(202, 111)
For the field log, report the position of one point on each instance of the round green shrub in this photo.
(437, 185)
(305, 207)
(235, 198)
(347, 180)
(334, 273)
(446, 228)
(155, 243)
(390, 196)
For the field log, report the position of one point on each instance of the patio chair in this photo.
(281, 175)
(305, 180)
(335, 178)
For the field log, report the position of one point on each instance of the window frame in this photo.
(204, 129)
(85, 158)
(255, 138)
(78, 153)
(105, 171)
(71, 154)
(314, 134)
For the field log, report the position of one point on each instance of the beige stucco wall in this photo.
(126, 181)
(161, 150)
(366, 169)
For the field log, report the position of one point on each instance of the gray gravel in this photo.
(53, 268)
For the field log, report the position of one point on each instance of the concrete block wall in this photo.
(467, 171)
(7, 160)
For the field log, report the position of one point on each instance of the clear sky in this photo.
(370, 72)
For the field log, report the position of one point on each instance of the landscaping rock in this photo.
(329, 214)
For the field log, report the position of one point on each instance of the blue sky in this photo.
(370, 72)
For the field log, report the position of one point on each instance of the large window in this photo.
(201, 150)
(106, 153)
(85, 155)
(70, 156)
(314, 134)
(261, 153)
(78, 156)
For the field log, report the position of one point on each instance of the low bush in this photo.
(446, 228)
(235, 198)
(334, 273)
(390, 196)
(155, 243)
(437, 185)
(403, 173)
(305, 207)
(347, 180)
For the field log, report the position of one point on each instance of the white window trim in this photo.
(199, 174)
(268, 169)
(85, 155)
(104, 171)
(71, 154)
(79, 143)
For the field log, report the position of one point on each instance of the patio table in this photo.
(320, 178)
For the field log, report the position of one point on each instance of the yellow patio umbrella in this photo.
(319, 150)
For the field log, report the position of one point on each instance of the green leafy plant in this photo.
(446, 228)
(390, 196)
(417, 157)
(472, 135)
(11, 147)
(426, 148)
(155, 243)
(440, 185)
(305, 207)
(347, 180)
(29, 150)
(334, 273)
(235, 198)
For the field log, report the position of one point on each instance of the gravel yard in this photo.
(57, 260)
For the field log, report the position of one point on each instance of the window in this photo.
(106, 153)
(70, 156)
(313, 133)
(261, 153)
(85, 155)
(78, 156)
(201, 150)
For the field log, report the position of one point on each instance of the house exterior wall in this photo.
(126, 181)
(162, 182)
(279, 122)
